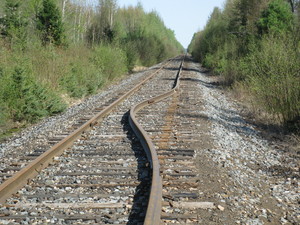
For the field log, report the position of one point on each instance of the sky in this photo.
(184, 17)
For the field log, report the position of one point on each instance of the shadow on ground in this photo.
(142, 192)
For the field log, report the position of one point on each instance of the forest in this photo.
(254, 45)
(55, 51)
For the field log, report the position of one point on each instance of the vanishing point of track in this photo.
(103, 175)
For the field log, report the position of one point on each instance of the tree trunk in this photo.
(64, 8)
(79, 24)
(75, 24)
(292, 5)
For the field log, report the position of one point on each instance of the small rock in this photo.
(33, 214)
(221, 208)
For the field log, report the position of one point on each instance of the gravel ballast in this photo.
(264, 179)
(257, 179)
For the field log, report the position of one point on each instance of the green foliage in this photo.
(209, 40)
(277, 18)
(3, 114)
(49, 23)
(103, 27)
(132, 55)
(256, 43)
(13, 24)
(242, 16)
(111, 60)
(143, 36)
(273, 72)
(148, 48)
(81, 80)
(3, 106)
(104, 43)
(86, 76)
(76, 84)
(25, 99)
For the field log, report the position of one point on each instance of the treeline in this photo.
(255, 44)
(54, 50)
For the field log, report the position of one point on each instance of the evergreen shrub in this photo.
(24, 98)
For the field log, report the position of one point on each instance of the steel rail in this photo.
(153, 214)
(21, 178)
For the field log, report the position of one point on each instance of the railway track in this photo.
(171, 125)
(29, 146)
(104, 176)
(148, 161)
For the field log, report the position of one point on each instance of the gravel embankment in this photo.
(266, 178)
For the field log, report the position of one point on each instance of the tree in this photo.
(294, 4)
(103, 27)
(277, 18)
(13, 24)
(49, 23)
(242, 15)
(64, 2)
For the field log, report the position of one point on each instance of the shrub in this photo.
(111, 60)
(273, 72)
(131, 55)
(81, 79)
(255, 44)
(85, 76)
(3, 114)
(24, 98)
(149, 48)
(13, 25)
(3, 106)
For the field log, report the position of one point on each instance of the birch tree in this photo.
(102, 28)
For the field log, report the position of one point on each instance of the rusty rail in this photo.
(20, 179)
(154, 205)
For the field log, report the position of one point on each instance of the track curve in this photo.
(68, 186)
(153, 215)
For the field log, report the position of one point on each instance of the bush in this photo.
(25, 99)
(273, 72)
(144, 37)
(13, 25)
(209, 41)
(81, 80)
(131, 55)
(86, 76)
(3, 106)
(111, 60)
(3, 114)
(255, 44)
(150, 49)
